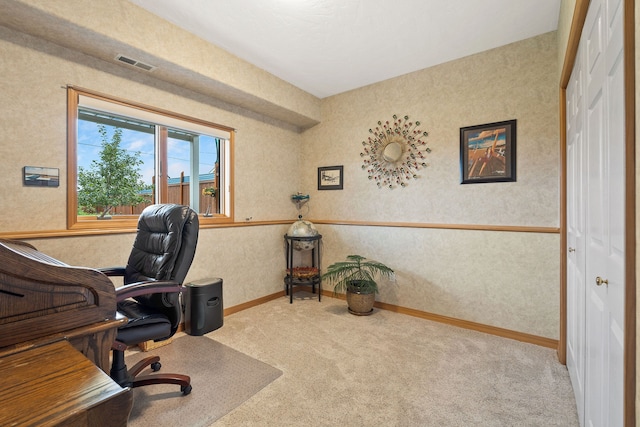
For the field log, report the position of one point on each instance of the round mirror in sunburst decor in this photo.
(395, 152)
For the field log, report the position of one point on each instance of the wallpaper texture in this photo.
(518, 81)
(504, 279)
(249, 259)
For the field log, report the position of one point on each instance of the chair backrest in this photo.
(163, 249)
(164, 245)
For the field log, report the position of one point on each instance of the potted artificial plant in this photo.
(356, 276)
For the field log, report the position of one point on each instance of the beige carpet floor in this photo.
(390, 369)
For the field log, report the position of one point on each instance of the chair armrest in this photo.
(146, 288)
(112, 271)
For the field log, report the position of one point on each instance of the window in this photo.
(124, 157)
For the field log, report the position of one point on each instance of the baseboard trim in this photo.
(252, 303)
(465, 324)
(478, 327)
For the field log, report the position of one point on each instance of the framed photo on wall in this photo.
(488, 152)
(40, 176)
(330, 178)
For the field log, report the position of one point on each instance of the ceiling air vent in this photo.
(135, 63)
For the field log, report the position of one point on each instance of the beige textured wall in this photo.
(494, 278)
(510, 280)
(34, 133)
(503, 279)
(112, 27)
(518, 81)
(34, 119)
(250, 259)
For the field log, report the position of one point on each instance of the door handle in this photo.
(600, 281)
(572, 249)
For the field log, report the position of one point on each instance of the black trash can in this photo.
(203, 306)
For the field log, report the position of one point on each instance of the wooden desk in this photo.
(55, 385)
(94, 341)
(43, 300)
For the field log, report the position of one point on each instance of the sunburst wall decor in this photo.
(395, 152)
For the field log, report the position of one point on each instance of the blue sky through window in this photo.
(89, 146)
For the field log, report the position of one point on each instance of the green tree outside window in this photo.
(114, 180)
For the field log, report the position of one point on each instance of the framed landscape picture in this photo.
(41, 177)
(488, 152)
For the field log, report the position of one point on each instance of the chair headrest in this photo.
(164, 245)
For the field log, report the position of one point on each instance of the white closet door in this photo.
(576, 257)
(615, 189)
(595, 218)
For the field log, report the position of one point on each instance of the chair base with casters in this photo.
(129, 377)
(151, 325)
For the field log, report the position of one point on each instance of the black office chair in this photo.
(160, 259)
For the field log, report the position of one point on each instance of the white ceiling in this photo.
(327, 47)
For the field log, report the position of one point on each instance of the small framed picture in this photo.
(488, 152)
(330, 178)
(40, 177)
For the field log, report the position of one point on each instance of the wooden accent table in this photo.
(55, 385)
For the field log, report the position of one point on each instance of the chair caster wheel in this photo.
(185, 390)
(156, 366)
